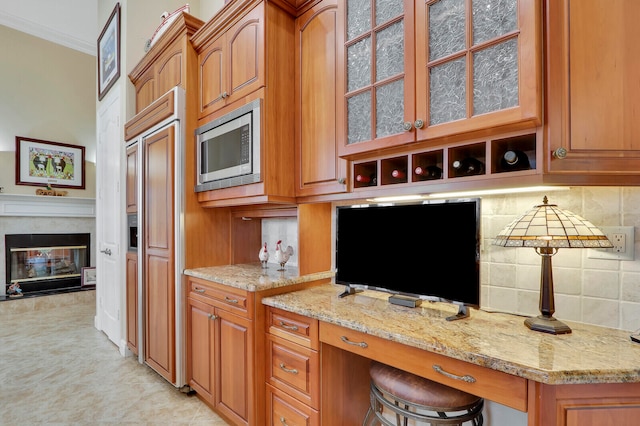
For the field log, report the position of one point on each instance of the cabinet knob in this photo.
(224, 95)
(560, 153)
(407, 125)
(342, 181)
(212, 317)
(419, 124)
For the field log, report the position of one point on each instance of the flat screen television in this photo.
(427, 251)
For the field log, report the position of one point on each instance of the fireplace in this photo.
(46, 262)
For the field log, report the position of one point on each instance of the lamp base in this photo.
(547, 325)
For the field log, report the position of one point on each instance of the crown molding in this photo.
(47, 33)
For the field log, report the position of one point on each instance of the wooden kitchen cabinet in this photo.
(132, 301)
(220, 348)
(592, 92)
(246, 50)
(132, 179)
(167, 64)
(403, 83)
(159, 256)
(226, 349)
(602, 404)
(232, 64)
(319, 169)
(293, 368)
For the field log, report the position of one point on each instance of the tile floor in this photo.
(57, 369)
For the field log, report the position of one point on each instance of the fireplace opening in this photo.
(46, 262)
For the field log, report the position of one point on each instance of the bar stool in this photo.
(422, 400)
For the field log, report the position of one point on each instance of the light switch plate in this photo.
(622, 237)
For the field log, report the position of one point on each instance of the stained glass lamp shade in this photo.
(546, 228)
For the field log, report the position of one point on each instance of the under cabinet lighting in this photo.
(464, 194)
(397, 198)
(498, 191)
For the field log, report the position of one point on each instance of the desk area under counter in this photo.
(588, 377)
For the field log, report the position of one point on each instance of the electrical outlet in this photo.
(622, 238)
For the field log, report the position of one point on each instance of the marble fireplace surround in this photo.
(31, 214)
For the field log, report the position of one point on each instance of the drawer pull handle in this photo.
(199, 290)
(283, 421)
(228, 300)
(288, 370)
(466, 378)
(349, 342)
(288, 327)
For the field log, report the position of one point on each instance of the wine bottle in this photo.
(398, 174)
(367, 179)
(468, 166)
(429, 172)
(515, 160)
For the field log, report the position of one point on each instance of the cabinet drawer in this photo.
(225, 297)
(294, 369)
(285, 410)
(487, 383)
(296, 328)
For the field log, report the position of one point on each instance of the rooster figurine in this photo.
(282, 256)
(263, 255)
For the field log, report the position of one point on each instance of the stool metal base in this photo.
(405, 410)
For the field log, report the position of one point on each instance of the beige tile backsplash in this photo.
(595, 291)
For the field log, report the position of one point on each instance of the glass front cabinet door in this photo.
(427, 69)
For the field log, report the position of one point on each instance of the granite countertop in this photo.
(252, 277)
(590, 354)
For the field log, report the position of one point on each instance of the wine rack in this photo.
(437, 163)
(394, 170)
(365, 174)
(525, 144)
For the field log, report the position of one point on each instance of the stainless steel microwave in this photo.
(228, 149)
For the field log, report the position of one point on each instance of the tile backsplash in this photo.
(285, 229)
(594, 291)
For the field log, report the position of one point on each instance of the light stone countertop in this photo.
(590, 354)
(252, 277)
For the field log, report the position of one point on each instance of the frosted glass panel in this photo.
(359, 64)
(387, 10)
(389, 108)
(495, 77)
(390, 51)
(493, 18)
(359, 116)
(447, 32)
(447, 91)
(358, 18)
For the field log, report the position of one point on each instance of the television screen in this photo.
(429, 250)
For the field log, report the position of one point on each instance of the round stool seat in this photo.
(419, 390)
(408, 396)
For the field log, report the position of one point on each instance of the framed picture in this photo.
(109, 53)
(88, 277)
(44, 163)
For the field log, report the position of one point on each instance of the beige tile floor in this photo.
(57, 369)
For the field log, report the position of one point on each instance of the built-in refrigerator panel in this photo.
(174, 121)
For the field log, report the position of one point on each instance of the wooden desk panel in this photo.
(490, 384)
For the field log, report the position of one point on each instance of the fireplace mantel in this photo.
(46, 206)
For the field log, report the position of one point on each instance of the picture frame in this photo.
(45, 163)
(109, 53)
(89, 277)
